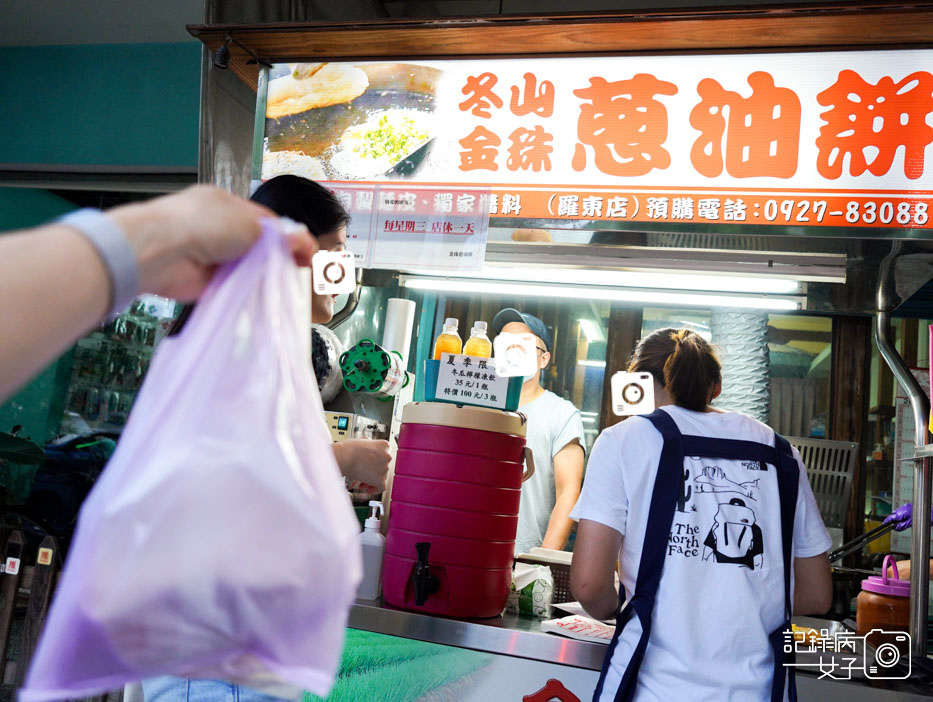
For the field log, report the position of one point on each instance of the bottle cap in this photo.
(479, 326)
(884, 585)
(451, 322)
(375, 512)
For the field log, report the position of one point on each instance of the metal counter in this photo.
(510, 635)
(507, 634)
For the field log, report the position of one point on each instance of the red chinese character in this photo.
(762, 132)
(624, 124)
(479, 150)
(881, 117)
(481, 97)
(531, 148)
(539, 102)
(554, 690)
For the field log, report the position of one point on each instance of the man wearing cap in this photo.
(555, 437)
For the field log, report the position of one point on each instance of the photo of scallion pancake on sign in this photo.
(349, 121)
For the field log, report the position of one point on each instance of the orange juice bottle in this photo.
(478, 344)
(449, 341)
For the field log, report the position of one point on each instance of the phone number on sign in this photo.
(900, 212)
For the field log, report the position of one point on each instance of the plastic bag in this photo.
(219, 541)
(531, 591)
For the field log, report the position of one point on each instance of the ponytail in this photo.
(683, 362)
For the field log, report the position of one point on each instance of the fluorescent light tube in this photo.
(633, 279)
(581, 292)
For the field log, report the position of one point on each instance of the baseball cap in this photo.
(510, 314)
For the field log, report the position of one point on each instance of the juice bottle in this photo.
(478, 344)
(449, 341)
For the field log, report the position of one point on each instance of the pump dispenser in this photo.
(373, 543)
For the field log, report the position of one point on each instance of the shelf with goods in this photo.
(110, 364)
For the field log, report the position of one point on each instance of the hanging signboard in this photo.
(838, 139)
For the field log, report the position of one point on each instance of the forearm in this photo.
(560, 524)
(603, 604)
(54, 287)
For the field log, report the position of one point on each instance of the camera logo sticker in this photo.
(632, 393)
(333, 272)
(515, 355)
(844, 655)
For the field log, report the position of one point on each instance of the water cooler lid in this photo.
(465, 417)
(885, 585)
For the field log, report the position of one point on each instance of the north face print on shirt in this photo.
(735, 537)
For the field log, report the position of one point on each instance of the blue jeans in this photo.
(172, 689)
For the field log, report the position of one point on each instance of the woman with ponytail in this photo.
(718, 539)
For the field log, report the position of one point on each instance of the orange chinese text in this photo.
(624, 125)
(537, 99)
(480, 96)
(479, 150)
(869, 123)
(761, 132)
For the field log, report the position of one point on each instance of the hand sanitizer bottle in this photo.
(373, 543)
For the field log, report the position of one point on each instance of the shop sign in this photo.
(837, 139)
(471, 380)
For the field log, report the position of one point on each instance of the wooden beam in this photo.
(850, 383)
(763, 28)
(623, 333)
(909, 341)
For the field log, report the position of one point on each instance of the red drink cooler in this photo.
(454, 510)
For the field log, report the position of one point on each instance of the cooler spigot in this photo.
(425, 583)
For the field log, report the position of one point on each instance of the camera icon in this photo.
(632, 393)
(333, 272)
(883, 657)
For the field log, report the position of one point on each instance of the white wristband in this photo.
(109, 240)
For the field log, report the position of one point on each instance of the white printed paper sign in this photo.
(415, 227)
(470, 380)
(431, 228)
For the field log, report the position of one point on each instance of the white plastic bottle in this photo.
(373, 543)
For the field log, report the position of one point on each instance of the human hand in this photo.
(904, 516)
(180, 239)
(365, 461)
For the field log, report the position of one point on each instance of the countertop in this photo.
(511, 635)
(506, 634)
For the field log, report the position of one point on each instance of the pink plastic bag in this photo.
(219, 541)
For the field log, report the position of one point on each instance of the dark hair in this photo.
(304, 201)
(683, 362)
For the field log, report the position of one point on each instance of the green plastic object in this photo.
(367, 367)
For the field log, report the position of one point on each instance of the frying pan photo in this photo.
(317, 132)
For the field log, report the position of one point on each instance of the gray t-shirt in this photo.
(553, 422)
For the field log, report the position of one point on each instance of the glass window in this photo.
(578, 331)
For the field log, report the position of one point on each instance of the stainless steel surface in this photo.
(830, 470)
(507, 635)
(920, 405)
(350, 307)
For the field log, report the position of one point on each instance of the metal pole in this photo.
(923, 476)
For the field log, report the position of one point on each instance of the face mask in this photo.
(529, 377)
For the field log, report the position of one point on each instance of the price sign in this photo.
(471, 380)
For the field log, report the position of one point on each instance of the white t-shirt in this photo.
(722, 586)
(553, 422)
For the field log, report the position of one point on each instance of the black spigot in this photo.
(425, 583)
